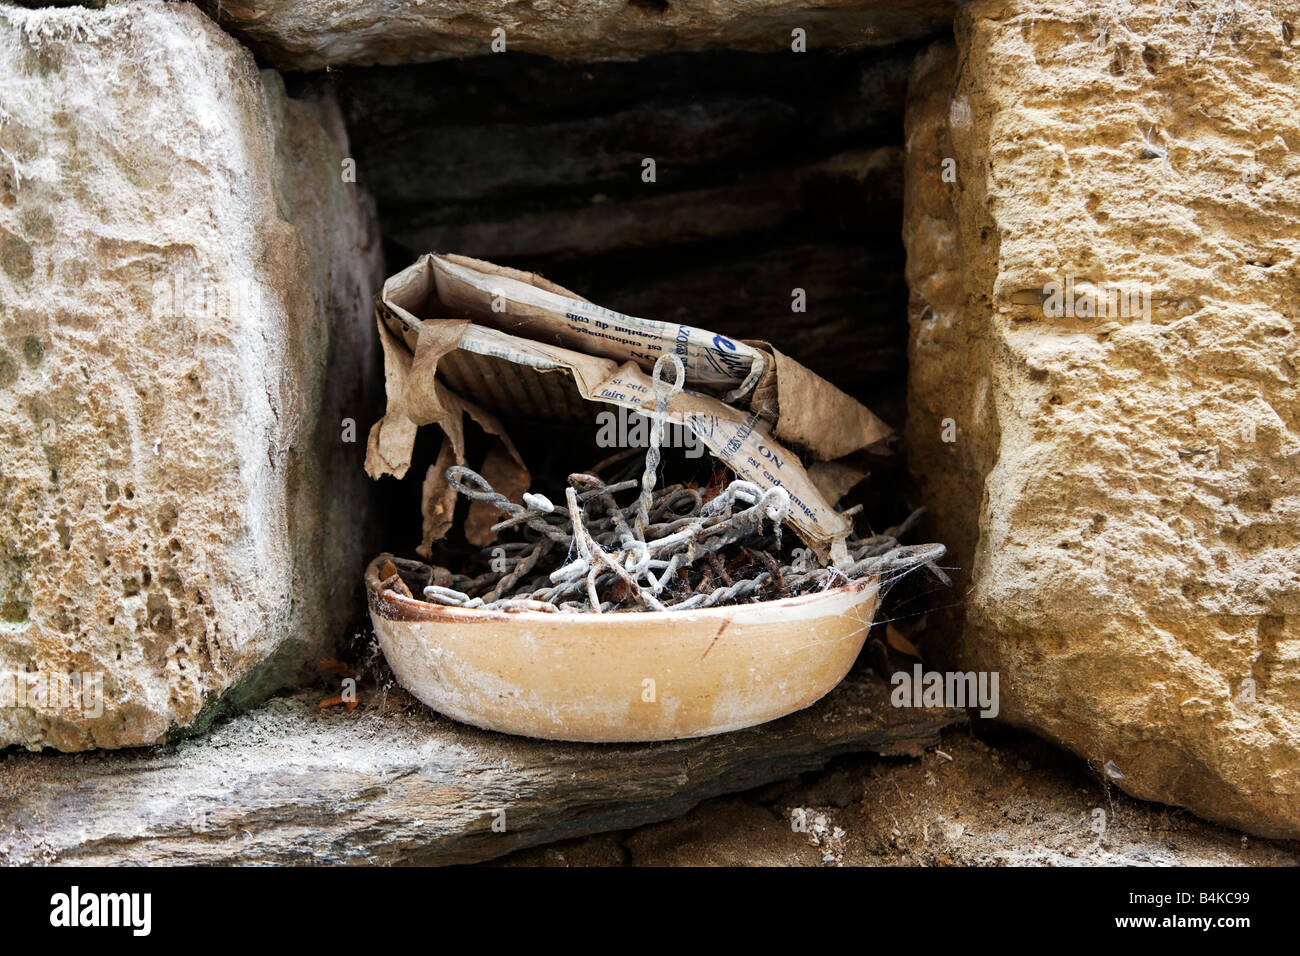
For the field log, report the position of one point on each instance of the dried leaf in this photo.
(331, 666)
(899, 643)
(390, 579)
(336, 700)
(506, 473)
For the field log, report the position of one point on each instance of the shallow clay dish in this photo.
(645, 675)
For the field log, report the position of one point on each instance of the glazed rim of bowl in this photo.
(393, 606)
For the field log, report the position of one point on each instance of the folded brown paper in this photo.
(464, 337)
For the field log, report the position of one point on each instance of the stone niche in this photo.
(777, 181)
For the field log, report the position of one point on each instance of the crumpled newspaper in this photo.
(464, 338)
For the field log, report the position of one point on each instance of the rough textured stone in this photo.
(184, 296)
(394, 782)
(1122, 489)
(313, 34)
(1013, 800)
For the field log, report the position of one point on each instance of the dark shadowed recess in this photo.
(773, 172)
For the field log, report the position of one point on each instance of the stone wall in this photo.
(185, 333)
(1120, 488)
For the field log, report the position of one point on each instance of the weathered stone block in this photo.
(185, 285)
(313, 34)
(1122, 484)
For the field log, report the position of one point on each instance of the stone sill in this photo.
(393, 782)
